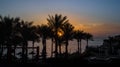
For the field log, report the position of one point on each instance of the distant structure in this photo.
(110, 47)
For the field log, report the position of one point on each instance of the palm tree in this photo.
(60, 42)
(87, 37)
(51, 35)
(26, 28)
(44, 33)
(34, 37)
(52, 40)
(16, 36)
(68, 34)
(9, 31)
(78, 35)
(55, 23)
(2, 35)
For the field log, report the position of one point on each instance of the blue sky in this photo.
(85, 14)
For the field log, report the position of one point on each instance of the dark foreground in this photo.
(62, 62)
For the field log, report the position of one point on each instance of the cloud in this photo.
(101, 29)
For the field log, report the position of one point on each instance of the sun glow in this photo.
(60, 34)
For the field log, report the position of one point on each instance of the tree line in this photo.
(16, 32)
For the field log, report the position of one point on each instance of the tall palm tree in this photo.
(16, 36)
(60, 42)
(44, 33)
(26, 28)
(78, 35)
(68, 34)
(87, 37)
(52, 40)
(34, 37)
(9, 32)
(2, 35)
(55, 23)
(51, 35)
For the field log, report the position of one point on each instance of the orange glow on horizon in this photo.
(91, 28)
(83, 23)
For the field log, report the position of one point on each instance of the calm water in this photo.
(72, 47)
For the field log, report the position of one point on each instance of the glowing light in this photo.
(60, 34)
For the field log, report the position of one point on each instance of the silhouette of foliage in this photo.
(15, 34)
(79, 35)
(55, 23)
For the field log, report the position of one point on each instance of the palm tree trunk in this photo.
(52, 48)
(24, 52)
(1, 53)
(56, 45)
(33, 49)
(60, 48)
(66, 48)
(9, 58)
(26, 49)
(14, 50)
(56, 42)
(37, 55)
(44, 49)
(87, 44)
(78, 45)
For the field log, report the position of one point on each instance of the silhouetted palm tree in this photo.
(34, 37)
(79, 35)
(26, 28)
(51, 35)
(67, 35)
(16, 36)
(2, 35)
(55, 23)
(7, 21)
(60, 42)
(10, 33)
(44, 33)
(87, 37)
(52, 40)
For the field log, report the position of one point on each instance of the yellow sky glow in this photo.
(86, 24)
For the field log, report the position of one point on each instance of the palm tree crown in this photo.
(55, 23)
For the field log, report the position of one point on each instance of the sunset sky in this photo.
(99, 17)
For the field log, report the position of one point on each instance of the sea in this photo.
(72, 47)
